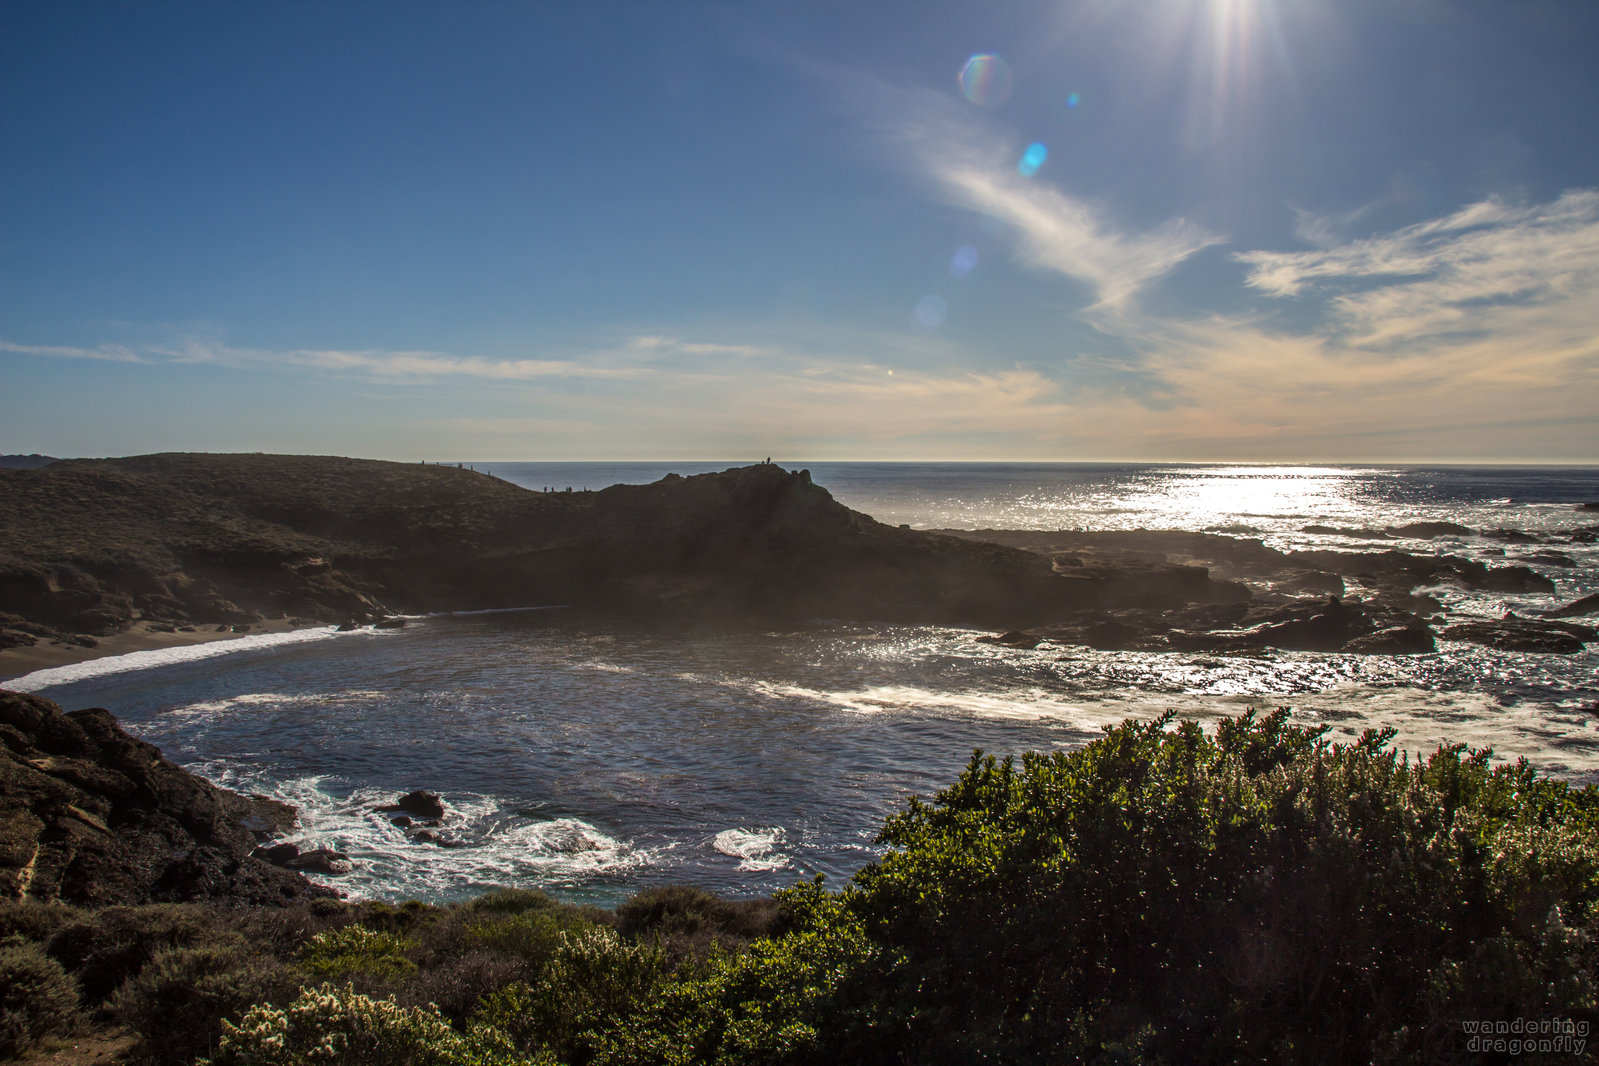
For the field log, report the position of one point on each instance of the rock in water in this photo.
(420, 803)
(1525, 635)
(92, 816)
(1583, 605)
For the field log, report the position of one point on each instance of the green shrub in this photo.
(694, 918)
(593, 979)
(356, 951)
(33, 920)
(456, 984)
(104, 948)
(403, 920)
(329, 1025)
(178, 1001)
(509, 901)
(1164, 896)
(37, 997)
(532, 936)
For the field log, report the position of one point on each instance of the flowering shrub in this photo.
(356, 951)
(329, 1026)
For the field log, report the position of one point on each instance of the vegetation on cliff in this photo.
(88, 545)
(1161, 895)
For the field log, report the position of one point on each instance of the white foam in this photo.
(756, 849)
(481, 841)
(155, 658)
(208, 710)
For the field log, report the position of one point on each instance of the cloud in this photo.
(1478, 271)
(635, 357)
(1470, 335)
(113, 353)
(974, 167)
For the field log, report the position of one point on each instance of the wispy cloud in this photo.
(113, 353)
(974, 166)
(636, 356)
(1449, 274)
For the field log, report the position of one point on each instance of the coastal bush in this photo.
(354, 951)
(34, 921)
(333, 1025)
(178, 1000)
(37, 997)
(1166, 896)
(690, 921)
(509, 901)
(107, 946)
(593, 980)
(457, 984)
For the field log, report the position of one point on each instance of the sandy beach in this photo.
(47, 654)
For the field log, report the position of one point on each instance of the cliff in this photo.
(87, 546)
(89, 815)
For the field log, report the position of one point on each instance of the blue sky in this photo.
(1278, 230)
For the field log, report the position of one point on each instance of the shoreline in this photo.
(17, 663)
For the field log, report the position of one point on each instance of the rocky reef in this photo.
(1159, 590)
(91, 816)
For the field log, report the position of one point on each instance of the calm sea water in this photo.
(592, 760)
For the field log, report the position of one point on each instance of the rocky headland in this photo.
(90, 548)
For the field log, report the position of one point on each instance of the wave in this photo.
(481, 842)
(755, 848)
(155, 658)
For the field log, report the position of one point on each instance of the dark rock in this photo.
(427, 836)
(402, 821)
(1551, 557)
(1352, 534)
(1309, 583)
(1511, 536)
(389, 623)
(1325, 627)
(92, 816)
(1583, 605)
(421, 803)
(1524, 635)
(1430, 530)
(1592, 506)
(1014, 639)
(1396, 640)
(277, 854)
(349, 625)
(321, 861)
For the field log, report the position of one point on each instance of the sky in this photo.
(1083, 230)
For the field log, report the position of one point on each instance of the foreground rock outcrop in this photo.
(92, 816)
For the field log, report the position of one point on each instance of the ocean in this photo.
(592, 760)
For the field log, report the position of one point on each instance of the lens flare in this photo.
(930, 311)
(1032, 159)
(961, 263)
(986, 80)
(1073, 99)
